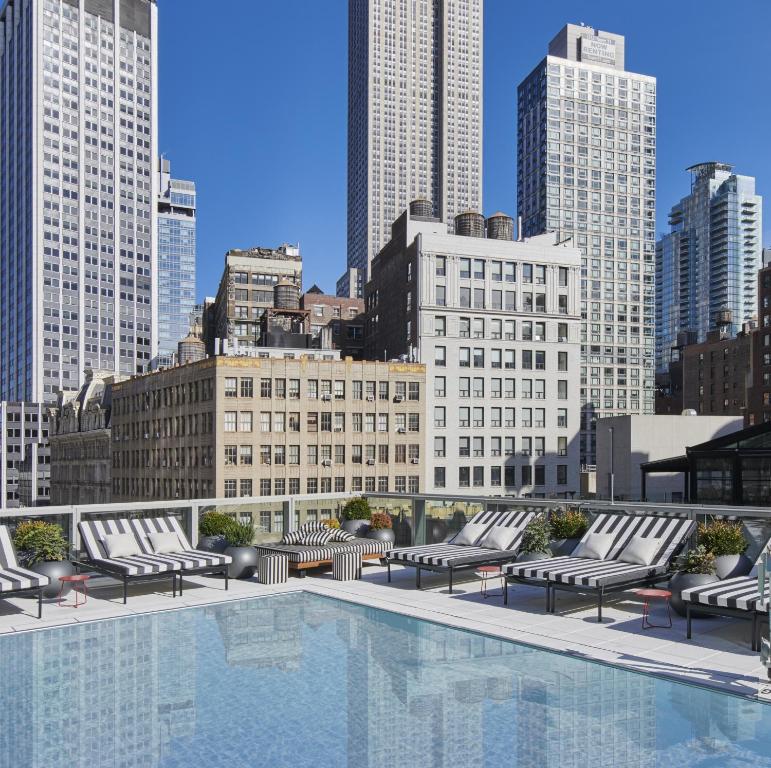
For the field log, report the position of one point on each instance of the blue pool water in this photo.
(304, 681)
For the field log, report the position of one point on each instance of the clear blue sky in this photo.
(253, 102)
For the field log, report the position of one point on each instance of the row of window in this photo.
(326, 389)
(282, 486)
(280, 421)
(500, 417)
(474, 477)
(244, 455)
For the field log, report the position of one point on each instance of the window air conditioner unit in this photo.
(370, 461)
(416, 461)
(401, 430)
(326, 397)
(338, 429)
(326, 463)
(399, 399)
(371, 398)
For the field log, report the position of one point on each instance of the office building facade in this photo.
(707, 265)
(414, 116)
(176, 257)
(25, 455)
(336, 322)
(586, 170)
(77, 192)
(496, 323)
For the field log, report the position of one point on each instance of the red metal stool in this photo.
(79, 578)
(654, 594)
(486, 572)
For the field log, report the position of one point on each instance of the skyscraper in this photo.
(586, 169)
(176, 257)
(77, 199)
(707, 264)
(414, 116)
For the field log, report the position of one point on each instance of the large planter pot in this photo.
(730, 566)
(244, 562)
(436, 530)
(527, 557)
(54, 569)
(681, 581)
(382, 534)
(563, 547)
(358, 528)
(217, 544)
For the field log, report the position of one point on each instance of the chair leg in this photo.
(450, 579)
(688, 621)
(388, 563)
(125, 590)
(40, 603)
(505, 591)
(417, 578)
(755, 643)
(599, 603)
(179, 576)
(225, 574)
(548, 597)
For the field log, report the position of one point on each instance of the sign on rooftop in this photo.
(601, 50)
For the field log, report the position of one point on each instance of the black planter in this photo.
(528, 557)
(730, 566)
(382, 534)
(217, 544)
(563, 547)
(358, 528)
(681, 581)
(436, 530)
(54, 569)
(244, 562)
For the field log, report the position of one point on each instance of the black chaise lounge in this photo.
(15, 580)
(611, 573)
(452, 557)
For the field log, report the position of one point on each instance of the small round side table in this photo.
(77, 579)
(654, 594)
(485, 573)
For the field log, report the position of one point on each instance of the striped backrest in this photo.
(7, 552)
(144, 525)
(92, 532)
(515, 519)
(672, 531)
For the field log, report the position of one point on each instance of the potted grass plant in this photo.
(42, 548)
(566, 528)
(212, 528)
(381, 528)
(695, 568)
(239, 537)
(535, 540)
(725, 540)
(357, 514)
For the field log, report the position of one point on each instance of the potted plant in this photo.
(695, 568)
(381, 528)
(567, 528)
(239, 538)
(357, 514)
(42, 548)
(725, 540)
(212, 528)
(535, 540)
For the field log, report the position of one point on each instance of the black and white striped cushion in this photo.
(12, 576)
(346, 566)
(303, 554)
(299, 535)
(272, 569)
(740, 593)
(187, 558)
(338, 534)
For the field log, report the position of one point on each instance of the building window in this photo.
(245, 488)
(231, 387)
(247, 387)
(439, 477)
(230, 489)
(230, 421)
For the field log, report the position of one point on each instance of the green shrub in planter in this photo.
(722, 537)
(536, 536)
(37, 541)
(572, 524)
(357, 509)
(697, 560)
(380, 521)
(239, 534)
(214, 524)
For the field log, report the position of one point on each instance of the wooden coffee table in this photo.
(77, 579)
(654, 594)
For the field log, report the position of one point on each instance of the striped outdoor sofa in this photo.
(15, 579)
(600, 577)
(189, 560)
(304, 556)
(455, 557)
(739, 597)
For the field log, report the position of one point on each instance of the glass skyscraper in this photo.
(414, 116)
(78, 123)
(176, 258)
(586, 169)
(707, 265)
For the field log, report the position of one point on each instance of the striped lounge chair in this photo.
(600, 577)
(740, 597)
(17, 580)
(187, 561)
(455, 557)
(301, 557)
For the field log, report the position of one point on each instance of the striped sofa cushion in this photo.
(187, 558)
(297, 553)
(312, 532)
(740, 593)
(338, 534)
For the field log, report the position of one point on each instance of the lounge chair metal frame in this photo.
(86, 563)
(733, 613)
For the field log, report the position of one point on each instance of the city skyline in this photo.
(305, 200)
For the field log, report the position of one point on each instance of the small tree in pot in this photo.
(695, 568)
(535, 540)
(42, 548)
(239, 537)
(567, 528)
(381, 528)
(725, 540)
(212, 528)
(357, 515)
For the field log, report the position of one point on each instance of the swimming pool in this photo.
(302, 680)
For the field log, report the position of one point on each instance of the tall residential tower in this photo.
(77, 200)
(707, 264)
(414, 116)
(586, 169)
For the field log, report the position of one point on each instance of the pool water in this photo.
(301, 680)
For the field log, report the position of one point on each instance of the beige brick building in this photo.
(240, 426)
